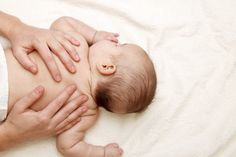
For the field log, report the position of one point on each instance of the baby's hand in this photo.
(113, 150)
(103, 35)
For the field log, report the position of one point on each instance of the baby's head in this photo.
(123, 77)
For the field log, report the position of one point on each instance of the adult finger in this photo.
(48, 59)
(70, 49)
(72, 40)
(25, 60)
(64, 124)
(57, 103)
(68, 126)
(68, 112)
(58, 50)
(28, 100)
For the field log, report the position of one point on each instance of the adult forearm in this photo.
(7, 23)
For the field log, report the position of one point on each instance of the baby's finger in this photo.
(113, 39)
(116, 34)
(25, 60)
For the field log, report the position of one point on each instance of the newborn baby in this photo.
(120, 78)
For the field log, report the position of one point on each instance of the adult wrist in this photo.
(15, 27)
(5, 141)
(8, 23)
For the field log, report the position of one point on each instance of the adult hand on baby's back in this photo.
(103, 35)
(26, 39)
(24, 123)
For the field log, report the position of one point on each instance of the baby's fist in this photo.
(113, 150)
(103, 35)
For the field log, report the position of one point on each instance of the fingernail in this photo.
(33, 69)
(72, 69)
(39, 89)
(58, 77)
(76, 42)
(72, 87)
(77, 57)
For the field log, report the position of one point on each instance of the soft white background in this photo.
(193, 46)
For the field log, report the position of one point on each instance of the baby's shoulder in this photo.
(92, 108)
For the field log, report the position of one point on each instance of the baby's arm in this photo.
(71, 144)
(91, 35)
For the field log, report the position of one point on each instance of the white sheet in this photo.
(193, 45)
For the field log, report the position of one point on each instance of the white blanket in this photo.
(193, 46)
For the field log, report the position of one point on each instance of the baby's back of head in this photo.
(132, 87)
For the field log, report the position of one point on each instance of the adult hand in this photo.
(25, 39)
(23, 123)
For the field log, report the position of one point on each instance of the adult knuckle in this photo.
(66, 111)
(43, 119)
(68, 62)
(69, 120)
(71, 48)
(48, 58)
(59, 101)
(36, 41)
(73, 116)
(50, 128)
(59, 49)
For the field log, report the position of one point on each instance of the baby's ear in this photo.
(106, 68)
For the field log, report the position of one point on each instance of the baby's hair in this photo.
(133, 89)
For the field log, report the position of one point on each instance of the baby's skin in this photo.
(70, 143)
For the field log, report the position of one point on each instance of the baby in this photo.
(120, 78)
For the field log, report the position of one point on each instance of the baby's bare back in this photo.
(21, 82)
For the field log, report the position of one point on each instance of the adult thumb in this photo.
(28, 100)
(23, 58)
